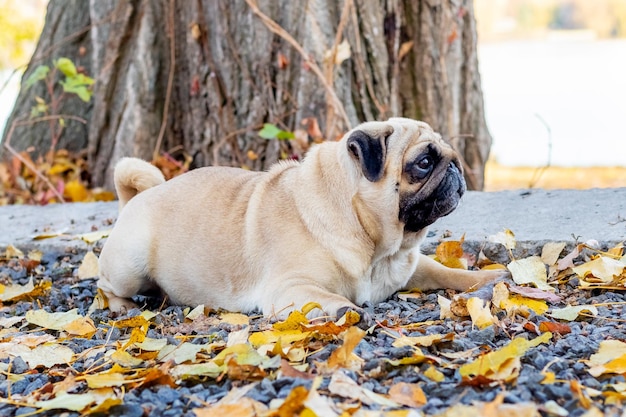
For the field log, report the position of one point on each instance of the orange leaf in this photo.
(410, 395)
(450, 253)
(294, 403)
(75, 191)
(342, 356)
(554, 327)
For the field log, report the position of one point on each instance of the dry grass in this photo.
(499, 177)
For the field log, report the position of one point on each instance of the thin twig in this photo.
(170, 80)
(277, 29)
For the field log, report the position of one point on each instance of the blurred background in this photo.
(553, 76)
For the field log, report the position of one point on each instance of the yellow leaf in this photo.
(196, 312)
(480, 313)
(610, 358)
(151, 344)
(10, 292)
(571, 313)
(424, 341)
(65, 401)
(89, 266)
(93, 237)
(35, 255)
(548, 377)
(185, 371)
(492, 362)
(81, 327)
(125, 359)
(75, 191)
(235, 318)
(105, 379)
(410, 395)
(518, 303)
(294, 322)
(269, 336)
(13, 252)
(433, 374)
(342, 356)
(61, 321)
(245, 407)
(530, 270)
(603, 268)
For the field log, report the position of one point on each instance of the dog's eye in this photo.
(425, 163)
(422, 168)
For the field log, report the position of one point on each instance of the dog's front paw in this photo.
(365, 317)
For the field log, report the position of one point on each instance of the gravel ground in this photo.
(417, 316)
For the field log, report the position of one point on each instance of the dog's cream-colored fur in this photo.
(273, 241)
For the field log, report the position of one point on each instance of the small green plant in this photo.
(271, 131)
(74, 83)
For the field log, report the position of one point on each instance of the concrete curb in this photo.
(535, 216)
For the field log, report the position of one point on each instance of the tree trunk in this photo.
(202, 77)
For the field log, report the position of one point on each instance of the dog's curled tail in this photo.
(132, 176)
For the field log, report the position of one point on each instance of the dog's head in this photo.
(409, 166)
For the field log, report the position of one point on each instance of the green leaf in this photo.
(270, 131)
(66, 66)
(39, 74)
(78, 85)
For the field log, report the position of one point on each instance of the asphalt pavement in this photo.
(534, 216)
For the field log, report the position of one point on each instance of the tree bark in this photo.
(203, 76)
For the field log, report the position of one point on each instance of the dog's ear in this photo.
(370, 151)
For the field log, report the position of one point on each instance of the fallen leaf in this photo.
(609, 359)
(13, 252)
(344, 386)
(517, 303)
(69, 321)
(554, 327)
(450, 254)
(185, 352)
(294, 403)
(433, 374)
(571, 313)
(93, 237)
(65, 401)
(603, 268)
(342, 357)
(536, 293)
(237, 319)
(9, 292)
(48, 355)
(492, 363)
(530, 270)
(444, 308)
(245, 407)
(551, 251)
(125, 359)
(410, 395)
(505, 237)
(480, 313)
(105, 379)
(7, 322)
(424, 341)
(89, 266)
(207, 369)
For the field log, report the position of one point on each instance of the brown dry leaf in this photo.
(343, 357)
(89, 266)
(410, 395)
(551, 251)
(554, 327)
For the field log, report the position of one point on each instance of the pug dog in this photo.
(341, 228)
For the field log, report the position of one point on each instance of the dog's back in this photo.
(132, 176)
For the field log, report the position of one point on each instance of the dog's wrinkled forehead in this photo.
(409, 130)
